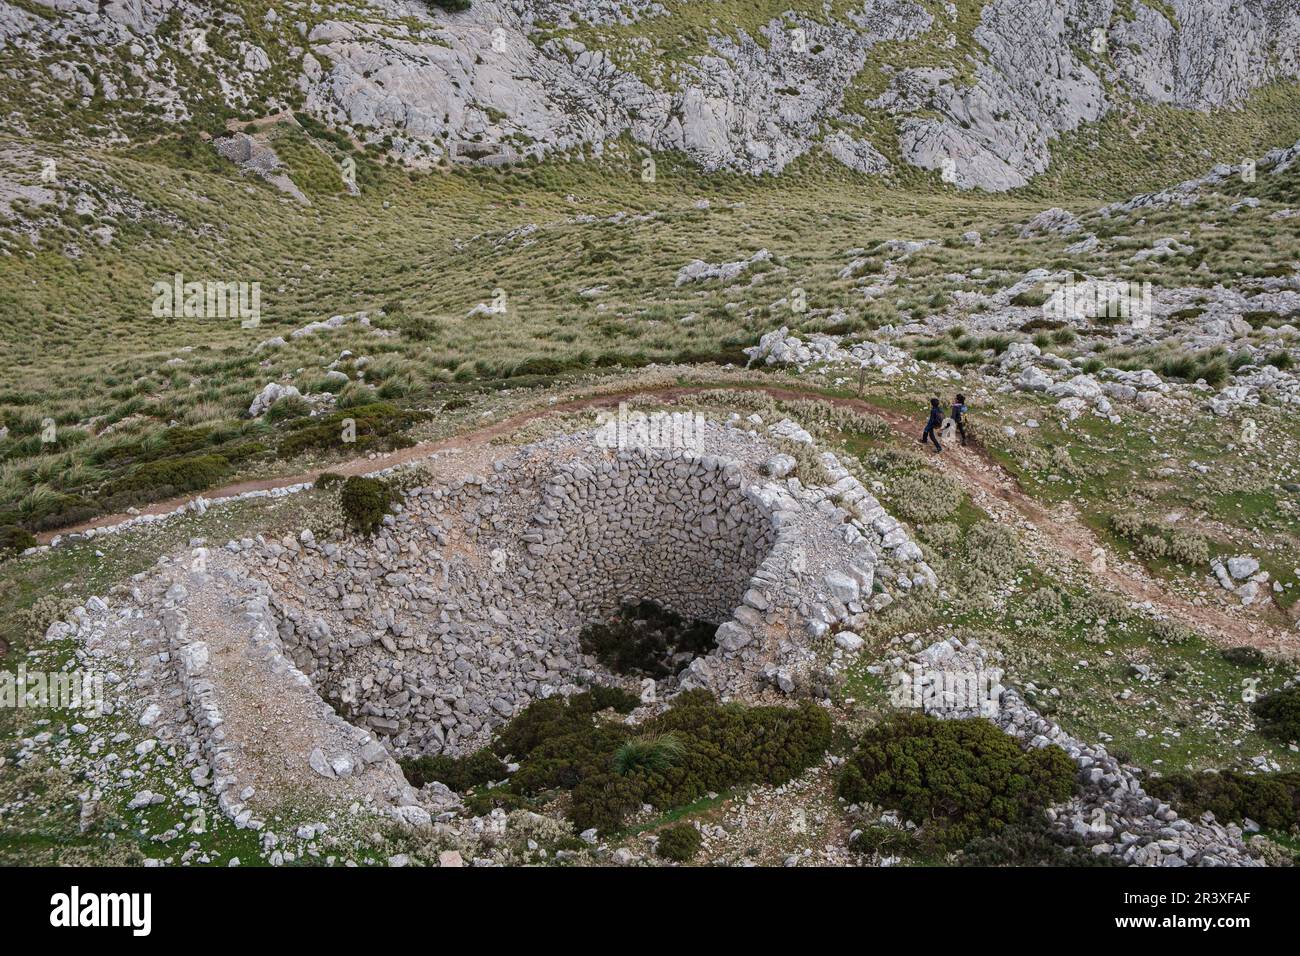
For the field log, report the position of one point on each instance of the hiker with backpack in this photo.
(933, 424)
(958, 414)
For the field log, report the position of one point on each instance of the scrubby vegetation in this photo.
(365, 501)
(962, 778)
(1031, 843)
(1278, 714)
(14, 540)
(458, 773)
(377, 426)
(678, 843)
(609, 769)
(1270, 799)
(646, 639)
(1154, 542)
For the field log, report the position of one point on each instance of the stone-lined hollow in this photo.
(649, 525)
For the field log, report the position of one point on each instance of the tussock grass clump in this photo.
(655, 752)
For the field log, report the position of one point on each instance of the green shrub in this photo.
(678, 843)
(1151, 546)
(365, 501)
(991, 555)
(1278, 714)
(644, 638)
(458, 773)
(1272, 800)
(1032, 843)
(943, 536)
(1126, 524)
(885, 841)
(328, 479)
(924, 496)
(15, 539)
(156, 480)
(1243, 656)
(1149, 540)
(673, 759)
(1186, 547)
(965, 777)
(378, 426)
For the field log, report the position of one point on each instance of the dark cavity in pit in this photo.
(644, 639)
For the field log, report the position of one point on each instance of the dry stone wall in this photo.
(672, 528)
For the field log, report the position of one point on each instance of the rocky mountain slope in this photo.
(978, 91)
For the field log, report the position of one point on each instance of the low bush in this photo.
(1277, 715)
(673, 759)
(15, 539)
(644, 639)
(678, 843)
(458, 773)
(1151, 546)
(156, 480)
(1189, 549)
(377, 426)
(1270, 799)
(966, 778)
(1126, 524)
(885, 841)
(724, 746)
(1155, 543)
(365, 501)
(1243, 656)
(328, 479)
(1032, 843)
(924, 496)
(990, 556)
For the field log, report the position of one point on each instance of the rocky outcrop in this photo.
(507, 80)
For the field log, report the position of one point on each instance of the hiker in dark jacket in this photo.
(958, 414)
(932, 425)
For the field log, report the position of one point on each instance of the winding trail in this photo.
(1058, 530)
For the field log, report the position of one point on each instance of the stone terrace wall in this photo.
(668, 526)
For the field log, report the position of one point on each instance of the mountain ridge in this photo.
(978, 92)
